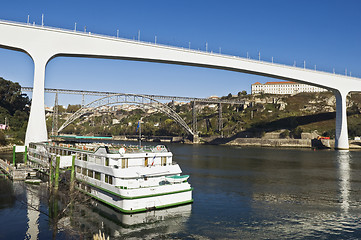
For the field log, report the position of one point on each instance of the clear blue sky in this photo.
(323, 33)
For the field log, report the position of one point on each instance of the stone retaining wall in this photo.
(260, 142)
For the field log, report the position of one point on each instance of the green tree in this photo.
(2, 138)
(61, 109)
(14, 106)
(11, 97)
(73, 108)
(285, 134)
(243, 93)
(296, 132)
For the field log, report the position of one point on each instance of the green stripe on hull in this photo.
(138, 197)
(135, 210)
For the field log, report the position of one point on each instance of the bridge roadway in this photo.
(160, 97)
(44, 43)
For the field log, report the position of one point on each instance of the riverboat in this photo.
(128, 178)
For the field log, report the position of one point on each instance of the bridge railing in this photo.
(160, 97)
(74, 31)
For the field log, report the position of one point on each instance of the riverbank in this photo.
(285, 143)
(7, 148)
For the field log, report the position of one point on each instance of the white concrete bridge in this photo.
(43, 44)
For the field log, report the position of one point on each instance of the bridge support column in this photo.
(341, 141)
(194, 117)
(36, 130)
(195, 138)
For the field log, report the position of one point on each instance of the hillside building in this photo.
(283, 88)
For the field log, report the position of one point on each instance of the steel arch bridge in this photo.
(146, 101)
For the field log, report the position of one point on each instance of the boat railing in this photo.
(137, 149)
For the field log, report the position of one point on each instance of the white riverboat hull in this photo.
(140, 204)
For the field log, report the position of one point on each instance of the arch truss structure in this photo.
(145, 101)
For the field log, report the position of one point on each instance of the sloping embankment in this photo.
(7, 148)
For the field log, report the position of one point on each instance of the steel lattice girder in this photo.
(128, 98)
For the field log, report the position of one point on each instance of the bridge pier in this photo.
(195, 138)
(194, 117)
(36, 130)
(341, 137)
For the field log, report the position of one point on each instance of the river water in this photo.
(239, 193)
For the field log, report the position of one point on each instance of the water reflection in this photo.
(33, 212)
(253, 193)
(7, 194)
(115, 224)
(343, 160)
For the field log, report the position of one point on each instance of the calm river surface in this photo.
(239, 193)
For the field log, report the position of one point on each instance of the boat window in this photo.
(97, 175)
(98, 160)
(164, 161)
(124, 162)
(85, 157)
(106, 161)
(84, 171)
(78, 169)
(90, 173)
(146, 162)
(108, 179)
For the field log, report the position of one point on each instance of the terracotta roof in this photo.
(271, 83)
(257, 83)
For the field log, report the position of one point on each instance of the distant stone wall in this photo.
(260, 142)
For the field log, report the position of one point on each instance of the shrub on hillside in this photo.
(296, 132)
(2, 139)
(285, 134)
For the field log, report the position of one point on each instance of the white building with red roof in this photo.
(283, 88)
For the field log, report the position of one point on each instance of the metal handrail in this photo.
(90, 34)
